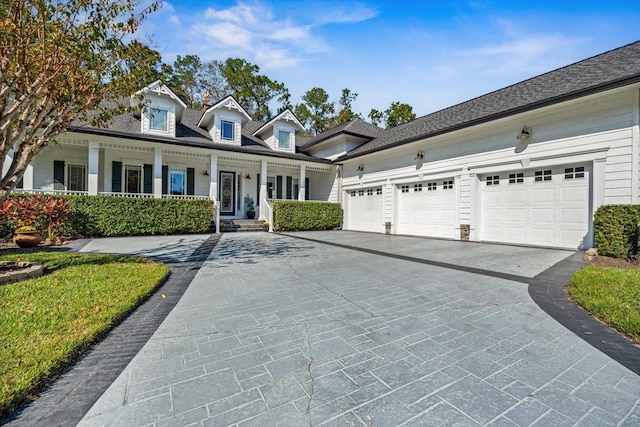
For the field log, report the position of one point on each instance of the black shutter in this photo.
(116, 177)
(289, 187)
(191, 175)
(165, 179)
(148, 179)
(20, 184)
(258, 186)
(306, 188)
(278, 187)
(58, 175)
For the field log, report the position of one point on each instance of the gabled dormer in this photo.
(280, 132)
(162, 111)
(224, 121)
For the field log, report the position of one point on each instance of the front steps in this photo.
(231, 225)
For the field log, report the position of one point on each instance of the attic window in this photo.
(227, 130)
(158, 119)
(284, 139)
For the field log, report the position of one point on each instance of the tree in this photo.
(393, 116)
(58, 62)
(185, 79)
(316, 112)
(252, 90)
(346, 114)
(214, 82)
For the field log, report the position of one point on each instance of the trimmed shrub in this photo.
(616, 229)
(305, 216)
(95, 216)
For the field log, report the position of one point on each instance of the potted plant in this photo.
(265, 225)
(251, 209)
(27, 237)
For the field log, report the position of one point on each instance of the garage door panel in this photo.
(366, 210)
(424, 212)
(552, 211)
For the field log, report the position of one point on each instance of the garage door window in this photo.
(404, 188)
(360, 192)
(417, 187)
(378, 191)
(370, 192)
(447, 185)
(574, 173)
(516, 178)
(542, 176)
(432, 186)
(493, 180)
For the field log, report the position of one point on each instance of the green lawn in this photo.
(611, 294)
(48, 321)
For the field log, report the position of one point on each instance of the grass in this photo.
(45, 323)
(611, 294)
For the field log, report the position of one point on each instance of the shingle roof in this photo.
(602, 72)
(188, 133)
(356, 127)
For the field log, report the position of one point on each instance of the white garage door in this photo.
(427, 209)
(365, 210)
(547, 207)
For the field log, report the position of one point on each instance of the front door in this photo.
(227, 193)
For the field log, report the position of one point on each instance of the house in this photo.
(527, 164)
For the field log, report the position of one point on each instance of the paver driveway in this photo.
(275, 330)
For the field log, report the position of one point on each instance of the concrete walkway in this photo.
(275, 330)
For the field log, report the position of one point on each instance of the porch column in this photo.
(157, 173)
(27, 178)
(213, 188)
(263, 190)
(92, 172)
(301, 183)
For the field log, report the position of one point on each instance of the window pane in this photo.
(77, 178)
(283, 139)
(227, 130)
(177, 181)
(158, 119)
(133, 178)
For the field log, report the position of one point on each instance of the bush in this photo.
(304, 216)
(97, 216)
(616, 229)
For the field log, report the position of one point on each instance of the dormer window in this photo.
(284, 140)
(158, 119)
(227, 130)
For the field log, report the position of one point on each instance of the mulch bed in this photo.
(605, 261)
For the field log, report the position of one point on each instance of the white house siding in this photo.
(69, 151)
(165, 103)
(323, 185)
(581, 131)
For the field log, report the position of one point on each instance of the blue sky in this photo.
(429, 54)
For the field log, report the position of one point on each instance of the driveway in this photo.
(369, 330)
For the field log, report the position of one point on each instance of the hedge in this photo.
(106, 216)
(305, 216)
(616, 229)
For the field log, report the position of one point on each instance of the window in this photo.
(370, 192)
(158, 119)
(296, 188)
(177, 181)
(516, 178)
(227, 129)
(417, 188)
(432, 186)
(571, 173)
(378, 191)
(540, 176)
(353, 193)
(404, 189)
(77, 177)
(493, 180)
(284, 139)
(133, 179)
(360, 192)
(447, 185)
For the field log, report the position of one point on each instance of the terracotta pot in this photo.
(27, 239)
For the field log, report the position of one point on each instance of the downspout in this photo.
(339, 168)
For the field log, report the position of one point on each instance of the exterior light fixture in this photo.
(205, 173)
(360, 168)
(420, 156)
(247, 177)
(525, 134)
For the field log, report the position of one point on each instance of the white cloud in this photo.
(174, 19)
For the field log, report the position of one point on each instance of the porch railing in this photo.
(267, 204)
(184, 197)
(51, 192)
(135, 195)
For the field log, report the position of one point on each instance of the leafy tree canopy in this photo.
(397, 114)
(58, 61)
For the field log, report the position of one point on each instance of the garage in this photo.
(546, 206)
(426, 208)
(364, 211)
